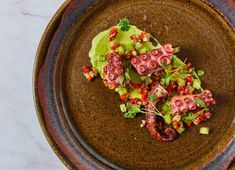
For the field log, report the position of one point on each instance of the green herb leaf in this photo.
(167, 80)
(124, 24)
(132, 110)
(127, 75)
(190, 117)
(153, 97)
(200, 102)
(121, 79)
(197, 84)
(134, 77)
(130, 114)
(121, 90)
(200, 73)
(164, 64)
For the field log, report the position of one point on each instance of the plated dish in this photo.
(151, 80)
(82, 120)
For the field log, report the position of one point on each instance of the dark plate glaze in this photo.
(81, 120)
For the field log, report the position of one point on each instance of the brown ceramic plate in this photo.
(82, 121)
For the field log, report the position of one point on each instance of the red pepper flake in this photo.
(113, 33)
(143, 86)
(188, 78)
(144, 37)
(136, 86)
(180, 88)
(170, 88)
(123, 97)
(144, 96)
(134, 100)
(134, 38)
(86, 69)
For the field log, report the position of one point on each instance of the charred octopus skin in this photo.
(114, 69)
(155, 123)
(185, 103)
(151, 62)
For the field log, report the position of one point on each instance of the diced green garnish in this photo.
(168, 118)
(121, 90)
(190, 117)
(204, 130)
(200, 73)
(120, 50)
(197, 84)
(200, 102)
(124, 24)
(181, 82)
(153, 97)
(135, 94)
(121, 79)
(176, 118)
(166, 107)
(181, 129)
(123, 107)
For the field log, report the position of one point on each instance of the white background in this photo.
(22, 143)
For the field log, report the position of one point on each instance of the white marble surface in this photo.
(22, 143)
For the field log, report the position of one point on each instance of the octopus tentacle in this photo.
(187, 103)
(155, 123)
(152, 61)
(114, 69)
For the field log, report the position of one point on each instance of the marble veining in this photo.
(22, 145)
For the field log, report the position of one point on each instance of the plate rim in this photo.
(46, 39)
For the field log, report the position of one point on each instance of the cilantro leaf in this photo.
(167, 80)
(200, 102)
(190, 117)
(132, 110)
(124, 24)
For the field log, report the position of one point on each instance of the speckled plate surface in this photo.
(82, 121)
